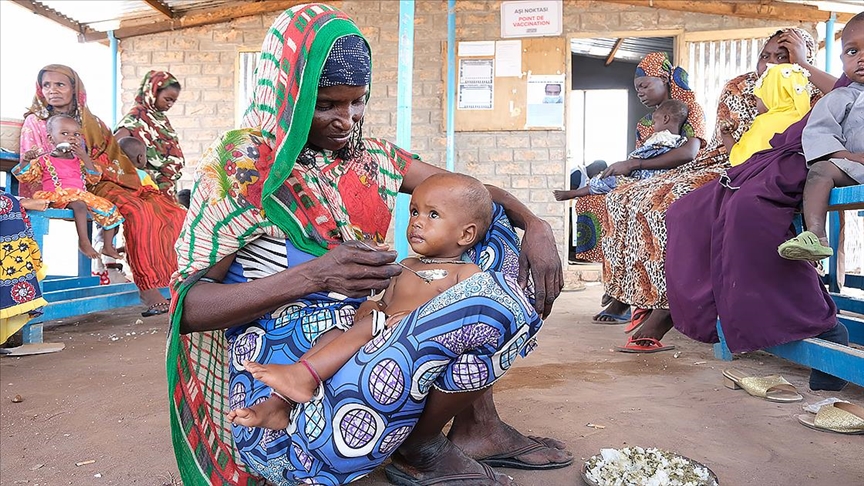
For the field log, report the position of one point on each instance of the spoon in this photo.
(425, 275)
(64, 147)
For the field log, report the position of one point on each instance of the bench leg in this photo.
(721, 351)
(32, 333)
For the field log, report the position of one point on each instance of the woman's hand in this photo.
(539, 257)
(34, 204)
(795, 44)
(622, 168)
(561, 195)
(354, 270)
(33, 153)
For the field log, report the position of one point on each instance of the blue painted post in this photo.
(404, 89)
(451, 85)
(829, 41)
(112, 42)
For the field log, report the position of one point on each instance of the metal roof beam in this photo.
(197, 18)
(55, 16)
(161, 7)
(763, 10)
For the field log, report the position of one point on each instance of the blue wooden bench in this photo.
(842, 361)
(69, 296)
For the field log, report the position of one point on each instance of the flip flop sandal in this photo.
(399, 478)
(509, 460)
(773, 388)
(639, 316)
(653, 346)
(613, 318)
(839, 417)
(156, 309)
(805, 246)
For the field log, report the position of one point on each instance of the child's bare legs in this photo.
(823, 177)
(108, 243)
(295, 381)
(332, 350)
(565, 195)
(812, 245)
(79, 211)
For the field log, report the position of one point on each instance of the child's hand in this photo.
(80, 152)
(561, 195)
(366, 308)
(857, 158)
(727, 126)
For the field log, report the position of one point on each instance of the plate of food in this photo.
(637, 466)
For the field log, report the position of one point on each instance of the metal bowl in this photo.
(589, 482)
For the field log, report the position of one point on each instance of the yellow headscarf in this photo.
(783, 90)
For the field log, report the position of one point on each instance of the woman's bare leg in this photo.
(79, 212)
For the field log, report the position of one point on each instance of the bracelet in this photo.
(379, 323)
(209, 280)
(311, 371)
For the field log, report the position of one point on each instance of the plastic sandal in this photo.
(773, 388)
(639, 316)
(839, 417)
(648, 345)
(615, 318)
(805, 246)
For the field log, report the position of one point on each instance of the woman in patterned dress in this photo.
(634, 242)
(269, 266)
(148, 122)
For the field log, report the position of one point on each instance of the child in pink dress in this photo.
(64, 172)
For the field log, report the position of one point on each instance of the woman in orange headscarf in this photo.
(153, 221)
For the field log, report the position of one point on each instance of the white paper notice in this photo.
(545, 101)
(479, 48)
(508, 58)
(475, 84)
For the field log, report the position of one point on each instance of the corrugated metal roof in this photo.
(631, 49)
(103, 15)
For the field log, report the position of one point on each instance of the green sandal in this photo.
(805, 246)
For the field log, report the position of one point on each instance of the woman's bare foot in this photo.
(502, 440)
(439, 460)
(656, 325)
(292, 380)
(273, 413)
(616, 308)
(87, 249)
(112, 252)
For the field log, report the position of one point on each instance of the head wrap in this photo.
(150, 125)
(348, 64)
(658, 65)
(287, 76)
(99, 139)
(783, 90)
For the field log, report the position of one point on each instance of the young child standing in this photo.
(668, 117)
(64, 173)
(833, 143)
(449, 213)
(782, 98)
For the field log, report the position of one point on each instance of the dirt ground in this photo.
(103, 399)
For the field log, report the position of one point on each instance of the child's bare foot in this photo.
(87, 249)
(112, 252)
(273, 413)
(292, 381)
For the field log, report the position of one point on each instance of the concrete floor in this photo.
(104, 398)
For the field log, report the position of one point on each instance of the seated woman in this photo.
(656, 81)
(271, 267)
(635, 230)
(723, 257)
(20, 294)
(152, 220)
(147, 121)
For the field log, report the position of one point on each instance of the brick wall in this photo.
(528, 164)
